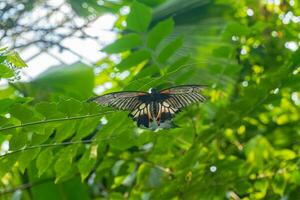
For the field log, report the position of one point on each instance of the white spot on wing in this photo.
(166, 104)
(142, 106)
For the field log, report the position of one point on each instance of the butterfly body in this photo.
(155, 109)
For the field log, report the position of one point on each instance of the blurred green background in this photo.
(242, 143)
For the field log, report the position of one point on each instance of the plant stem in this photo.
(53, 120)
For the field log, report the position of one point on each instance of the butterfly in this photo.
(155, 109)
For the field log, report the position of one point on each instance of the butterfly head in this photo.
(153, 91)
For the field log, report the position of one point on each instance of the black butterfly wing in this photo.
(120, 100)
(178, 97)
(135, 102)
(182, 96)
(142, 114)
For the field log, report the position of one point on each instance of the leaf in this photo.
(159, 32)
(285, 154)
(126, 42)
(3, 57)
(22, 112)
(134, 59)
(124, 141)
(262, 187)
(3, 48)
(15, 59)
(75, 81)
(64, 161)
(5, 104)
(235, 29)
(258, 150)
(65, 130)
(44, 161)
(278, 184)
(224, 52)
(49, 110)
(178, 63)
(18, 141)
(87, 161)
(139, 17)
(25, 114)
(5, 122)
(69, 107)
(7, 164)
(169, 50)
(5, 71)
(296, 58)
(148, 71)
(26, 157)
(86, 127)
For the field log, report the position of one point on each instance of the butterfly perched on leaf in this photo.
(155, 109)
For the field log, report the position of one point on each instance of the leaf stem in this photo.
(54, 120)
(55, 145)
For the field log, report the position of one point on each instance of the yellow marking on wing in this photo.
(142, 106)
(166, 104)
(159, 113)
(148, 112)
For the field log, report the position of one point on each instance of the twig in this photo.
(26, 186)
(56, 145)
(54, 120)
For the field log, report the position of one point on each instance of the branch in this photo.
(57, 144)
(25, 186)
(54, 120)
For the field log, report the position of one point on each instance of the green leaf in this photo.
(285, 154)
(2, 58)
(76, 81)
(87, 161)
(86, 127)
(235, 29)
(261, 186)
(18, 141)
(5, 71)
(278, 184)
(7, 164)
(3, 48)
(49, 110)
(178, 63)
(134, 59)
(124, 141)
(65, 130)
(5, 104)
(148, 71)
(64, 161)
(126, 42)
(22, 112)
(139, 17)
(15, 59)
(44, 160)
(26, 157)
(69, 107)
(258, 150)
(296, 58)
(169, 50)
(5, 122)
(25, 114)
(159, 32)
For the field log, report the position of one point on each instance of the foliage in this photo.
(10, 63)
(243, 143)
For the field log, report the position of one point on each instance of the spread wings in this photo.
(182, 96)
(158, 107)
(120, 100)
